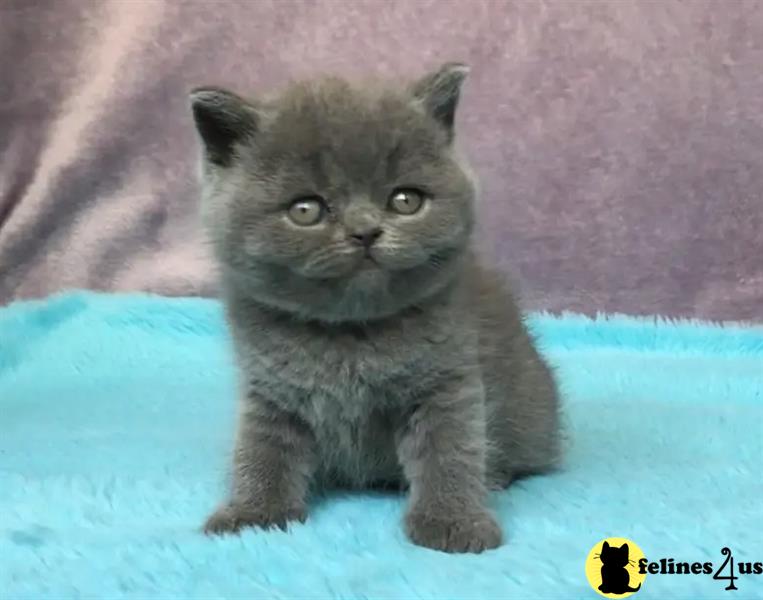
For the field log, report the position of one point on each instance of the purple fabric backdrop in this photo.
(620, 144)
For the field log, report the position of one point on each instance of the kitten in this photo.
(615, 578)
(373, 348)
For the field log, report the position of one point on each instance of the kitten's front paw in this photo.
(461, 533)
(232, 518)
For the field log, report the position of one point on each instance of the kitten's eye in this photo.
(307, 211)
(406, 202)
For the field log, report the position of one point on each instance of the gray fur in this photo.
(410, 367)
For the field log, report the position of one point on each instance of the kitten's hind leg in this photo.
(524, 428)
(499, 478)
(387, 485)
(273, 462)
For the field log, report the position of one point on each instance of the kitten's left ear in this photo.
(222, 118)
(439, 92)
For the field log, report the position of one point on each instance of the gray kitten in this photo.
(374, 350)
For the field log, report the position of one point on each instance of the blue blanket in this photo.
(116, 419)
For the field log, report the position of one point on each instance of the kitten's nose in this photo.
(366, 238)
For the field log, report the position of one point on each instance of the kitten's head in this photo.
(333, 201)
(614, 556)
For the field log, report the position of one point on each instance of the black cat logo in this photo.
(612, 568)
(614, 575)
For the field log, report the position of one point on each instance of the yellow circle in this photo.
(612, 568)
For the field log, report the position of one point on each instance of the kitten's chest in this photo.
(352, 385)
(347, 370)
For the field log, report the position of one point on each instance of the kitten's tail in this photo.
(636, 589)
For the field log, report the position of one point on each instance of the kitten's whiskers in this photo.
(327, 258)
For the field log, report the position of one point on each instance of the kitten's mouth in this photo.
(368, 262)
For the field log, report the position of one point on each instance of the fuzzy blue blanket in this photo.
(116, 419)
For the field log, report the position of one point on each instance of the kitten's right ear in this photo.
(222, 118)
(605, 546)
(439, 92)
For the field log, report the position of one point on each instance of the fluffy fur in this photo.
(115, 420)
(398, 361)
